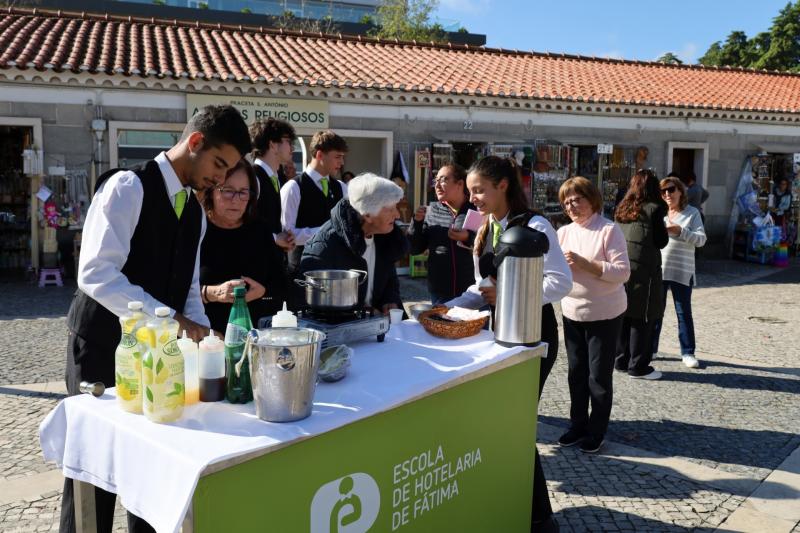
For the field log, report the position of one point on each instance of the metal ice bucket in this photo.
(283, 370)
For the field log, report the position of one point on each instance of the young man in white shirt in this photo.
(307, 200)
(272, 150)
(141, 241)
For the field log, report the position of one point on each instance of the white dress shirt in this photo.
(107, 232)
(290, 203)
(369, 257)
(268, 169)
(557, 279)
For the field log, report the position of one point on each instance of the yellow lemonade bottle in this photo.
(162, 369)
(128, 360)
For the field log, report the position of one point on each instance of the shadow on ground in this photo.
(595, 518)
(751, 448)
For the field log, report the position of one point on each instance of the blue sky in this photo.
(615, 28)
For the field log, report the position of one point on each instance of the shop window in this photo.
(138, 146)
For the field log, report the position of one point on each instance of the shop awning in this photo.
(462, 137)
(778, 148)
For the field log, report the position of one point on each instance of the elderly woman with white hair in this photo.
(361, 234)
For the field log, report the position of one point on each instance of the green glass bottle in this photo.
(238, 387)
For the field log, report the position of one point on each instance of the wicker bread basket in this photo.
(450, 330)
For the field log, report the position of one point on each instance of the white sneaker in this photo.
(655, 374)
(691, 361)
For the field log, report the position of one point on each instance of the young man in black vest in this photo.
(272, 149)
(306, 201)
(141, 242)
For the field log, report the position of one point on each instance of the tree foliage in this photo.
(670, 59)
(776, 49)
(409, 20)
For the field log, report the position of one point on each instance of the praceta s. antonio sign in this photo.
(309, 114)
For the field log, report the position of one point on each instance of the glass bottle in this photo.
(238, 388)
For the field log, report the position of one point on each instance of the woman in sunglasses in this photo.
(686, 233)
(640, 215)
(238, 249)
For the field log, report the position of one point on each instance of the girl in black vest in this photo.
(496, 192)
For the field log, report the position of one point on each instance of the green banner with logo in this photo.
(457, 460)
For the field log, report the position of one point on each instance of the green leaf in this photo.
(149, 394)
(178, 387)
(137, 355)
(118, 378)
(148, 362)
(159, 366)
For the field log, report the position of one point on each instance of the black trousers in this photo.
(591, 347)
(541, 507)
(90, 362)
(635, 346)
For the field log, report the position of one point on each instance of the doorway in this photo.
(684, 158)
(15, 224)
(683, 162)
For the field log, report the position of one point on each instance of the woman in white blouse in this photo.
(495, 190)
(686, 234)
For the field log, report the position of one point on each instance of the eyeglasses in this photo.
(572, 202)
(229, 194)
(668, 190)
(440, 180)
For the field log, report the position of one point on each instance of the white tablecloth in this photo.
(154, 468)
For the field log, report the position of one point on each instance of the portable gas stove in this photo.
(341, 327)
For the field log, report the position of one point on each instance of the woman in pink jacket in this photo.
(597, 254)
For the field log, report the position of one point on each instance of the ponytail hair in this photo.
(496, 169)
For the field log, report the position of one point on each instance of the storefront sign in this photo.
(309, 114)
(404, 470)
(605, 148)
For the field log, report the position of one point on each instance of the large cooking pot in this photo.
(332, 289)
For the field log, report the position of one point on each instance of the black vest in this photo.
(269, 200)
(314, 209)
(161, 259)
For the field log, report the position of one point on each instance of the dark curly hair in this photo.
(270, 130)
(643, 188)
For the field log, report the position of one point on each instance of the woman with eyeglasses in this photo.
(640, 215)
(686, 234)
(438, 228)
(597, 254)
(238, 249)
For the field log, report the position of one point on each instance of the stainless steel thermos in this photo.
(518, 308)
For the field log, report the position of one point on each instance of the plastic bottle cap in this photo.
(135, 306)
(162, 311)
(211, 342)
(284, 319)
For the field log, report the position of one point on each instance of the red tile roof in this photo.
(151, 48)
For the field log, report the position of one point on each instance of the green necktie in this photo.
(497, 229)
(180, 202)
(275, 183)
(324, 183)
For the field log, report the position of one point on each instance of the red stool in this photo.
(50, 276)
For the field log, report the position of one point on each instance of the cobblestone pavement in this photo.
(739, 414)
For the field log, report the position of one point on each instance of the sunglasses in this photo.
(669, 190)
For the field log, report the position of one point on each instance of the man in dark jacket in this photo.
(361, 234)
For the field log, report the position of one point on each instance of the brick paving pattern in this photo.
(739, 416)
